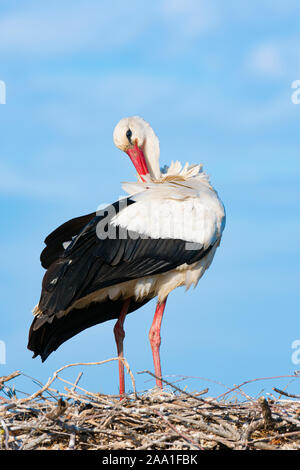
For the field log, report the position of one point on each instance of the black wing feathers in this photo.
(93, 264)
(64, 233)
(90, 264)
(46, 339)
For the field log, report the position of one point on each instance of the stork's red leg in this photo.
(155, 340)
(119, 337)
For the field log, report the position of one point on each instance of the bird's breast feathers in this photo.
(182, 204)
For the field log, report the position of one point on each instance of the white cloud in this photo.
(26, 184)
(267, 60)
(275, 59)
(257, 12)
(86, 105)
(42, 29)
(68, 26)
(191, 18)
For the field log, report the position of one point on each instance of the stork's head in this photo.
(136, 137)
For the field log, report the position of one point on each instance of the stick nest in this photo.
(172, 419)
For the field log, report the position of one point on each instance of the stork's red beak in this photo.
(137, 157)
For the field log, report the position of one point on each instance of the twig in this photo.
(184, 436)
(246, 382)
(77, 381)
(6, 378)
(179, 389)
(281, 392)
(55, 375)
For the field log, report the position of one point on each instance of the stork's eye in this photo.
(129, 135)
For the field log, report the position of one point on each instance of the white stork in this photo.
(162, 236)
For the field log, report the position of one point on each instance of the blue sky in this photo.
(214, 80)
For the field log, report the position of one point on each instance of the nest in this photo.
(172, 419)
